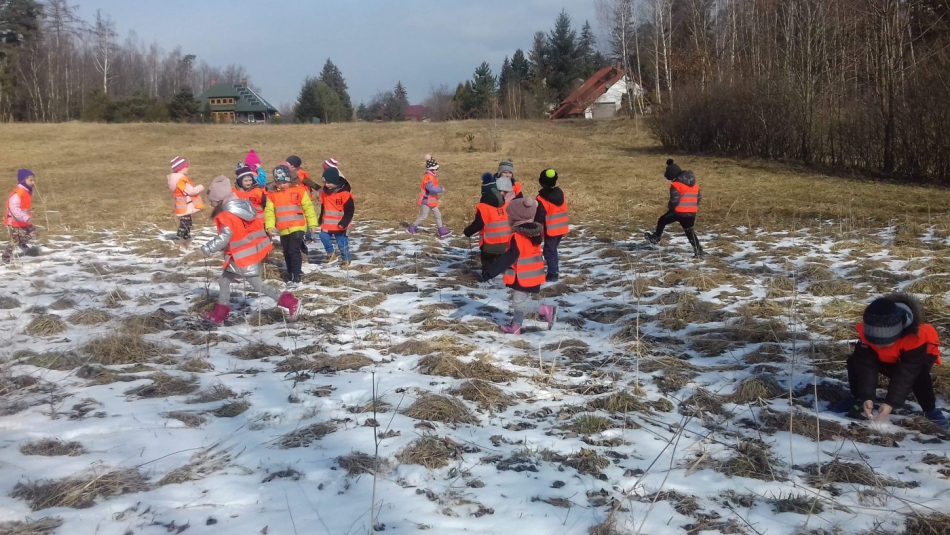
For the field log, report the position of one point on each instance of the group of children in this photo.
(253, 210)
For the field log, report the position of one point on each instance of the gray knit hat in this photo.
(885, 321)
(506, 165)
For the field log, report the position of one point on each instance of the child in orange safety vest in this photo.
(683, 206)
(288, 212)
(522, 265)
(491, 223)
(429, 198)
(245, 244)
(552, 213)
(246, 187)
(18, 216)
(186, 195)
(336, 214)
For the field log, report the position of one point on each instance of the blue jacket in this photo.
(261, 177)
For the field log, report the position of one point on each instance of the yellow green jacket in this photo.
(289, 211)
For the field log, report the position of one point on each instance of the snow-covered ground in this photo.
(661, 402)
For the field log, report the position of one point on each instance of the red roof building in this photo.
(599, 97)
(416, 113)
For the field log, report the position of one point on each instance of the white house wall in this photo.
(613, 95)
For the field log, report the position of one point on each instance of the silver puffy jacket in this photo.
(245, 210)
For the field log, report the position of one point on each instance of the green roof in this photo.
(246, 99)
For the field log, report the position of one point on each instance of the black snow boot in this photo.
(694, 241)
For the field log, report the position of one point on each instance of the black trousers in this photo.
(863, 370)
(292, 245)
(184, 227)
(550, 254)
(488, 258)
(687, 221)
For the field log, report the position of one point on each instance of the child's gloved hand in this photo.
(485, 276)
(272, 232)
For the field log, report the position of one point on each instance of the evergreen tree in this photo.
(332, 76)
(506, 77)
(396, 108)
(563, 49)
(590, 59)
(184, 107)
(306, 107)
(362, 113)
(520, 67)
(463, 98)
(483, 89)
(329, 107)
(19, 26)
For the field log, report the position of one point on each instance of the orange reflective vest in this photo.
(249, 243)
(515, 187)
(555, 218)
(689, 198)
(429, 199)
(528, 270)
(333, 204)
(288, 207)
(496, 228)
(256, 196)
(926, 334)
(26, 204)
(182, 199)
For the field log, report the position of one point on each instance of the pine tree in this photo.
(483, 89)
(563, 49)
(329, 106)
(400, 101)
(332, 76)
(520, 67)
(306, 108)
(184, 107)
(589, 58)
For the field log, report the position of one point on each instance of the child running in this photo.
(246, 187)
(336, 214)
(242, 238)
(429, 198)
(491, 222)
(682, 208)
(523, 265)
(186, 194)
(19, 214)
(288, 212)
(552, 213)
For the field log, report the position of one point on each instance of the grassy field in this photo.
(113, 176)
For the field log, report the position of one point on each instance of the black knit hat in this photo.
(672, 170)
(548, 178)
(331, 175)
(294, 161)
(885, 320)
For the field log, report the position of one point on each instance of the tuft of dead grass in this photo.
(486, 395)
(479, 368)
(753, 459)
(63, 303)
(202, 463)
(348, 361)
(150, 323)
(930, 524)
(89, 316)
(703, 402)
(165, 385)
(430, 452)
(123, 348)
(302, 438)
(196, 365)
(433, 407)
(215, 392)
(590, 424)
(81, 492)
(190, 419)
(115, 297)
(43, 526)
(933, 285)
(8, 302)
(232, 409)
(45, 325)
(688, 310)
(620, 403)
(357, 463)
(52, 447)
(838, 471)
(52, 360)
(756, 389)
(259, 350)
(587, 461)
(372, 300)
(693, 278)
(806, 425)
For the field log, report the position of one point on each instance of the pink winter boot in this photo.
(549, 314)
(511, 328)
(291, 303)
(218, 314)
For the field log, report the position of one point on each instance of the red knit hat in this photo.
(178, 163)
(330, 162)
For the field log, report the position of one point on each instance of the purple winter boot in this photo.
(411, 229)
(549, 314)
(218, 314)
(511, 328)
(291, 303)
(443, 232)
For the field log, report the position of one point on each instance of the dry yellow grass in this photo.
(609, 172)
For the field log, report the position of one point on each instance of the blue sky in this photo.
(375, 43)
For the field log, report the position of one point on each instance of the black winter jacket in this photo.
(686, 177)
(554, 196)
(349, 208)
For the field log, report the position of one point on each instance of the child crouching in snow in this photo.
(245, 245)
(19, 214)
(523, 265)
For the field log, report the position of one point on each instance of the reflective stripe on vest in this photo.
(333, 210)
(689, 198)
(182, 199)
(288, 208)
(496, 227)
(926, 334)
(26, 204)
(256, 196)
(528, 270)
(429, 199)
(555, 218)
(249, 243)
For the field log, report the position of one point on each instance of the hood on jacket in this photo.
(241, 208)
(553, 195)
(531, 230)
(173, 179)
(915, 306)
(344, 187)
(686, 177)
(491, 196)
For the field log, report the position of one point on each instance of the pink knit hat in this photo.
(178, 163)
(252, 160)
(330, 162)
(522, 210)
